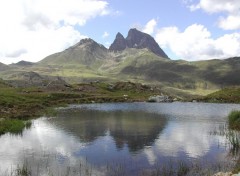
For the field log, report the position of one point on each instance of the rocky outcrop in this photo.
(159, 98)
(139, 40)
(33, 79)
(226, 174)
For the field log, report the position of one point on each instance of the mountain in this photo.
(23, 63)
(86, 52)
(136, 58)
(3, 67)
(139, 40)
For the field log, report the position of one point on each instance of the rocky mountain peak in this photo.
(87, 41)
(88, 44)
(139, 40)
(119, 43)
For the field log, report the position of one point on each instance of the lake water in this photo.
(122, 139)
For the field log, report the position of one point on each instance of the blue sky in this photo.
(185, 29)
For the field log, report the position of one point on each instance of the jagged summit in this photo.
(119, 43)
(139, 40)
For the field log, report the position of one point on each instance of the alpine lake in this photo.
(125, 139)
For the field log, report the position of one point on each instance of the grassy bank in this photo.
(234, 136)
(234, 120)
(13, 125)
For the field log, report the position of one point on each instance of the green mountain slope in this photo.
(86, 52)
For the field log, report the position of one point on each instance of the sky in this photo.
(185, 29)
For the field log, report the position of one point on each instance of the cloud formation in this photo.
(41, 27)
(196, 43)
(231, 21)
(150, 26)
(105, 34)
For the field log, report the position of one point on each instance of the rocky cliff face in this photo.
(139, 40)
(119, 43)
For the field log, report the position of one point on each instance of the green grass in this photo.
(234, 120)
(11, 125)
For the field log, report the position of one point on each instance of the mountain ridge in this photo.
(88, 61)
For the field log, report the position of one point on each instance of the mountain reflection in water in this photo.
(136, 129)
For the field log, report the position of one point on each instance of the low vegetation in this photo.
(12, 125)
(171, 168)
(234, 120)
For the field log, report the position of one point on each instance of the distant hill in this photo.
(3, 67)
(23, 63)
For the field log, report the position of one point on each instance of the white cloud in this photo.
(105, 34)
(150, 27)
(196, 43)
(230, 7)
(230, 23)
(31, 30)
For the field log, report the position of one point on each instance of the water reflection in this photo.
(137, 135)
(134, 129)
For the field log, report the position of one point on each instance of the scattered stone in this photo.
(159, 98)
(226, 174)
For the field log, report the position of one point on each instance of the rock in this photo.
(223, 174)
(159, 98)
(226, 174)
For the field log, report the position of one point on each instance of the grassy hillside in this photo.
(221, 72)
(226, 95)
